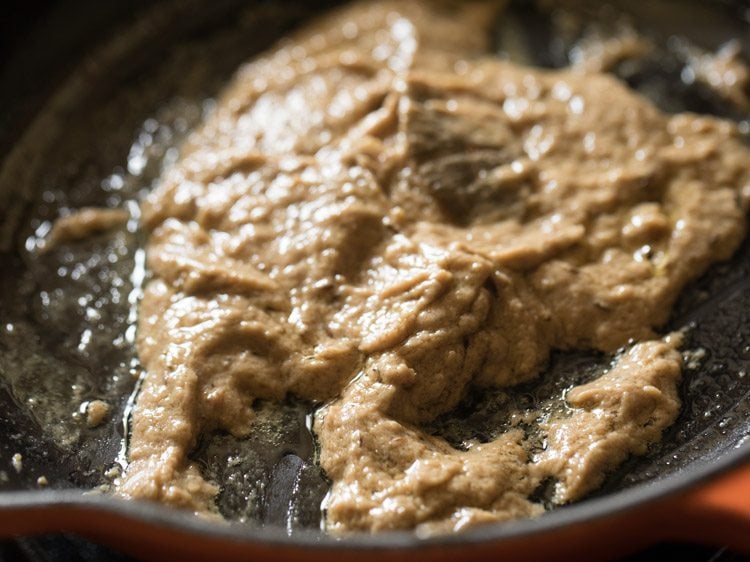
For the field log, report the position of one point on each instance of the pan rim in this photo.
(159, 516)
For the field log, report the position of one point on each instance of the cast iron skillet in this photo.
(77, 97)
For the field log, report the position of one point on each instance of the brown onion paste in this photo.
(380, 214)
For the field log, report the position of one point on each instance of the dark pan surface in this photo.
(66, 317)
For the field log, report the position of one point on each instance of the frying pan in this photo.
(93, 102)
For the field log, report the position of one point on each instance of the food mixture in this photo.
(378, 216)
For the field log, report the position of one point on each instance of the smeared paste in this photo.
(379, 214)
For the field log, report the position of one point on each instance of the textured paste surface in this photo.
(380, 214)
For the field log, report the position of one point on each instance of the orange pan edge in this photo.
(699, 507)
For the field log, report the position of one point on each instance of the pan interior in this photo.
(106, 133)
